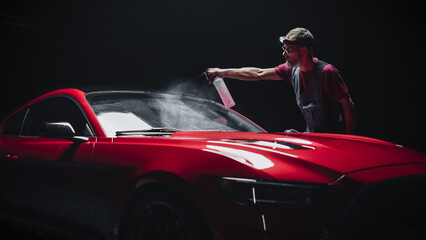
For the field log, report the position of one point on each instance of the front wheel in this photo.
(164, 216)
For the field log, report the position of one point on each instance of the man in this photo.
(318, 86)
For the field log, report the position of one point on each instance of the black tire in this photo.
(164, 216)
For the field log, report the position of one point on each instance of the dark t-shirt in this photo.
(334, 87)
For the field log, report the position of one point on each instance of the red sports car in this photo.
(138, 165)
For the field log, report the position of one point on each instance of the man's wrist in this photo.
(225, 73)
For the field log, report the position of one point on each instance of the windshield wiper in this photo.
(148, 132)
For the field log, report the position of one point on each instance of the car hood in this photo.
(282, 154)
(312, 157)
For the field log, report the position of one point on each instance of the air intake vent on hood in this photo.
(273, 144)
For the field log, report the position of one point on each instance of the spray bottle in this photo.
(223, 92)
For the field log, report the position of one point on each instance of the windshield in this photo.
(128, 111)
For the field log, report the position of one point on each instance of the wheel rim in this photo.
(161, 221)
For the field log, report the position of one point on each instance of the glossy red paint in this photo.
(93, 181)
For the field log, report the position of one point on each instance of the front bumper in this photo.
(347, 210)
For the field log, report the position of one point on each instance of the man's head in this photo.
(297, 44)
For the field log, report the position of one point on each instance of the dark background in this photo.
(165, 44)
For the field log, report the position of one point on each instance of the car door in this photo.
(47, 178)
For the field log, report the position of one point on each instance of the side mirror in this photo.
(60, 130)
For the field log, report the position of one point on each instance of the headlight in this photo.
(252, 192)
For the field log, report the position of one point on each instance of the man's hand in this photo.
(211, 73)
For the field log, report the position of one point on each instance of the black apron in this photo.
(320, 115)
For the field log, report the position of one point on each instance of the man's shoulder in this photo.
(283, 66)
(328, 67)
(283, 69)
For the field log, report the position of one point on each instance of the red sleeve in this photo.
(284, 72)
(335, 88)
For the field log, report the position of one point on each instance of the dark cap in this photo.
(301, 42)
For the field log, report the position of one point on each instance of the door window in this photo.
(13, 125)
(56, 109)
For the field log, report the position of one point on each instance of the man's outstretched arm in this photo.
(246, 73)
